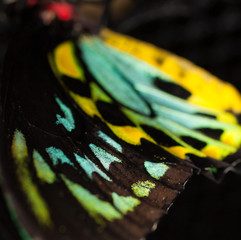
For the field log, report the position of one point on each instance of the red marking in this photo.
(32, 3)
(64, 11)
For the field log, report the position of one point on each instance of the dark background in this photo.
(207, 32)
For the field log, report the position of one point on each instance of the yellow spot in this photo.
(227, 117)
(132, 135)
(86, 104)
(213, 152)
(232, 137)
(22, 160)
(205, 88)
(66, 61)
(142, 188)
(178, 151)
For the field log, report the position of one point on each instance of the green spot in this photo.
(98, 209)
(44, 173)
(142, 188)
(212, 170)
(124, 204)
(110, 141)
(98, 94)
(89, 167)
(19, 147)
(105, 158)
(156, 170)
(22, 161)
(67, 121)
(58, 157)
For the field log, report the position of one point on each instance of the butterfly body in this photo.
(100, 135)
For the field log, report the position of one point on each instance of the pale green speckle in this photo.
(105, 158)
(44, 173)
(98, 209)
(89, 167)
(68, 120)
(124, 204)
(156, 170)
(142, 188)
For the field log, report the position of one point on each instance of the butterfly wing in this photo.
(158, 105)
(71, 167)
(101, 135)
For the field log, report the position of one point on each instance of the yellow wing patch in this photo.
(205, 88)
(129, 134)
(66, 63)
(86, 104)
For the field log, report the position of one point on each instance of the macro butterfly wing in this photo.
(66, 173)
(99, 138)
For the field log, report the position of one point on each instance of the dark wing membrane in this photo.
(74, 164)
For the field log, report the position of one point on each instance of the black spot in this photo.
(172, 88)
(181, 73)
(159, 136)
(112, 114)
(194, 142)
(213, 133)
(76, 86)
(239, 118)
(159, 60)
(205, 115)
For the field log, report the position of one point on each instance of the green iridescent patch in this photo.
(142, 188)
(44, 172)
(24, 174)
(98, 209)
(125, 204)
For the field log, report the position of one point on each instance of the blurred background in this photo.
(207, 32)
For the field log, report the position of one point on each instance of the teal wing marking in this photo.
(156, 170)
(105, 158)
(67, 121)
(89, 167)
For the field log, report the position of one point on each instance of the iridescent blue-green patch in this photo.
(58, 157)
(111, 80)
(142, 188)
(68, 120)
(110, 141)
(89, 167)
(156, 170)
(105, 158)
